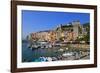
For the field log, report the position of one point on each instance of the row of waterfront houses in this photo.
(67, 32)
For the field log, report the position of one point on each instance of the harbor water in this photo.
(50, 54)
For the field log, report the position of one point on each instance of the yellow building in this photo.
(52, 36)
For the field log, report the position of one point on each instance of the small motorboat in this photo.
(61, 50)
(67, 54)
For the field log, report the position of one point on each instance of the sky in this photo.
(34, 21)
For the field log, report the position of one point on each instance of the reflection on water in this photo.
(44, 54)
(32, 55)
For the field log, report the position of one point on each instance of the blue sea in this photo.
(29, 55)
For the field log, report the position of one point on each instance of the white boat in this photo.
(61, 50)
(66, 48)
(49, 58)
(67, 54)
